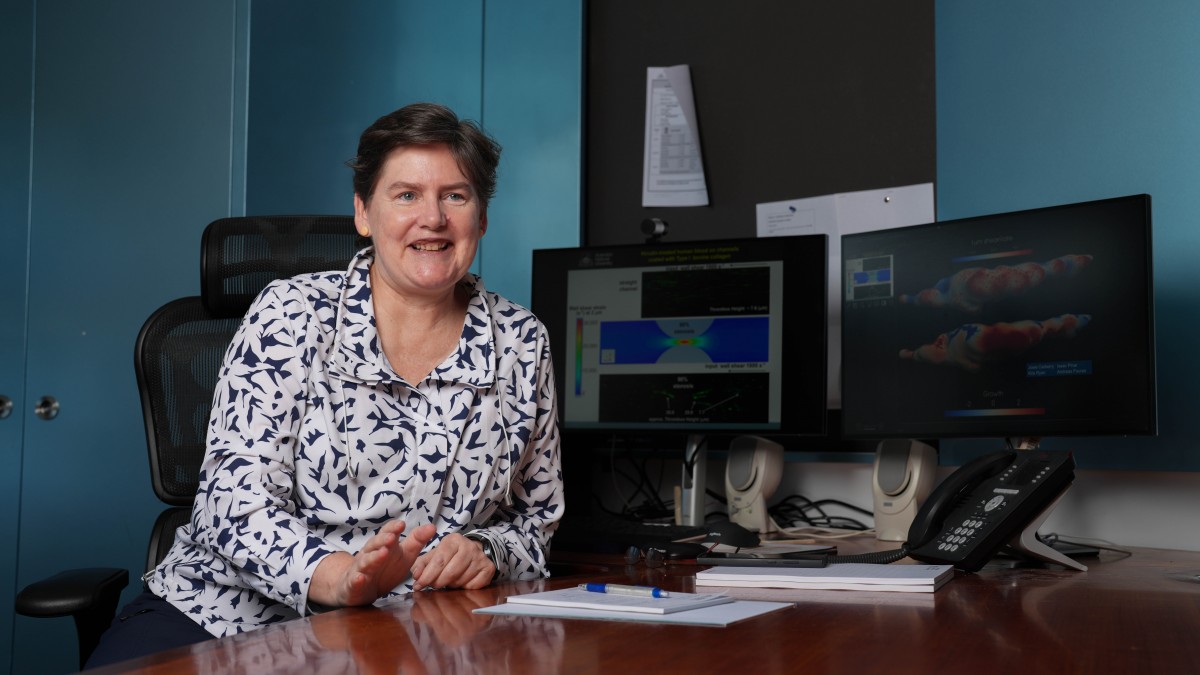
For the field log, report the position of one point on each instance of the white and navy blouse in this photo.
(314, 443)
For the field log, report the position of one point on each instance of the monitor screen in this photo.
(1027, 324)
(695, 337)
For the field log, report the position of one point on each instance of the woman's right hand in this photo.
(344, 580)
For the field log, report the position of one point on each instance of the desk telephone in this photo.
(994, 501)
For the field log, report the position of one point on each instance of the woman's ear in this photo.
(361, 223)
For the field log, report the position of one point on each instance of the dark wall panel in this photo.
(793, 99)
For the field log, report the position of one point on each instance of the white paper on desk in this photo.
(584, 599)
(673, 166)
(717, 615)
(835, 215)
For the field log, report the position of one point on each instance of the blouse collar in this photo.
(357, 355)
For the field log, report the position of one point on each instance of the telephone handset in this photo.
(995, 500)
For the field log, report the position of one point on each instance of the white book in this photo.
(832, 586)
(840, 576)
(872, 595)
(582, 599)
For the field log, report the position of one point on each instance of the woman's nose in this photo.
(433, 215)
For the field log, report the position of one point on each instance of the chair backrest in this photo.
(240, 256)
(179, 351)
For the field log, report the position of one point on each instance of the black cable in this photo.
(633, 471)
(845, 505)
(645, 485)
(800, 509)
(876, 558)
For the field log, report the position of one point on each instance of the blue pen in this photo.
(617, 589)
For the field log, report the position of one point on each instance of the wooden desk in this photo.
(1124, 615)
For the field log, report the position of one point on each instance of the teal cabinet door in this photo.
(16, 90)
(135, 110)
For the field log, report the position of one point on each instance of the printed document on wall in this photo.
(673, 167)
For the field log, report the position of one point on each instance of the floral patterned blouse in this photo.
(314, 443)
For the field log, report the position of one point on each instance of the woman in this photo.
(375, 431)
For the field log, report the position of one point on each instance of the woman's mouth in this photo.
(431, 246)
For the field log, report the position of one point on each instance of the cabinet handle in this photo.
(47, 408)
(6, 406)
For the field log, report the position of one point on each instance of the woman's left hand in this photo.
(456, 562)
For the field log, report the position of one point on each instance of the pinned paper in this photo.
(673, 166)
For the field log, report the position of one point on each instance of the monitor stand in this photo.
(692, 492)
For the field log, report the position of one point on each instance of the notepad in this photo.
(843, 576)
(581, 599)
(715, 616)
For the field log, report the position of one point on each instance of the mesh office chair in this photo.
(177, 360)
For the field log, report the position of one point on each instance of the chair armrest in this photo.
(72, 592)
(89, 596)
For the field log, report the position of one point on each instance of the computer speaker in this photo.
(904, 475)
(752, 475)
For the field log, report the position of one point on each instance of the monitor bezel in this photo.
(805, 259)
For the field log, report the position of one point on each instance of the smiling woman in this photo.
(423, 179)
(376, 430)
(425, 223)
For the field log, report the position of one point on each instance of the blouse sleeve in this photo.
(522, 527)
(244, 510)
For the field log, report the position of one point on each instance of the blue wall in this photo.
(533, 104)
(321, 72)
(1042, 103)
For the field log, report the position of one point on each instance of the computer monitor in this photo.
(1021, 325)
(701, 337)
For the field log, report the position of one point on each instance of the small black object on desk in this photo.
(730, 533)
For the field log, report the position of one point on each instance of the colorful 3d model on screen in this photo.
(971, 345)
(971, 288)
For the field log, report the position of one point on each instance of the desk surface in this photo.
(1137, 613)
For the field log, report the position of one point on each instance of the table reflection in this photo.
(425, 632)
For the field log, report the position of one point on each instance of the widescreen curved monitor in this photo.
(1027, 324)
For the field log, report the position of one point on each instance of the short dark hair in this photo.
(477, 153)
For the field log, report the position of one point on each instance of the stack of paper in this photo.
(583, 599)
(842, 576)
(697, 609)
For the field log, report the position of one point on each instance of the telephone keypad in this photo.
(951, 540)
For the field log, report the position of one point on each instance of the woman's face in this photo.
(424, 219)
